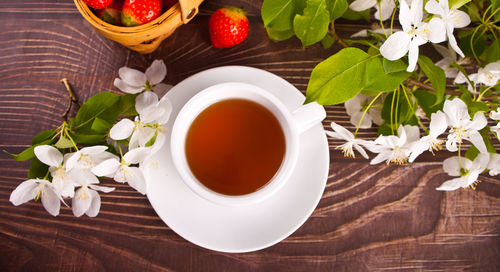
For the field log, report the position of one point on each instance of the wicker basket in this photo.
(147, 37)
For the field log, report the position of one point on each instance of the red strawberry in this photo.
(167, 4)
(111, 14)
(138, 12)
(228, 26)
(98, 4)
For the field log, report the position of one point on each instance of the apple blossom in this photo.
(340, 132)
(395, 149)
(37, 189)
(355, 108)
(384, 11)
(415, 33)
(465, 170)
(462, 127)
(430, 142)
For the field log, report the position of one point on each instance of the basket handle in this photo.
(189, 8)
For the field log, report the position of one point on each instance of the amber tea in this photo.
(235, 146)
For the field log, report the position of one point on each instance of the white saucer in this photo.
(247, 228)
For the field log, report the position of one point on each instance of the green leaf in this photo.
(37, 169)
(456, 4)
(279, 35)
(436, 76)
(486, 138)
(350, 14)
(127, 104)
(472, 153)
(29, 152)
(311, 27)
(327, 41)
(393, 66)
(337, 8)
(278, 14)
(378, 80)
(152, 140)
(427, 101)
(89, 139)
(43, 136)
(63, 142)
(338, 78)
(492, 53)
(102, 105)
(384, 129)
(101, 126)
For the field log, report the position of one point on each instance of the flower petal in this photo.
(360, 5)
(132, 77)
(165, 107)
(478, 122)
(124, 87)
(159, 141)
(23, 192)
(452, 166)
(404, 16)
(458, 18)
(382, 156)
(385, 11)
(452, 40)
(477, 140)
(361, 151)
(95, 204)
(434, 8)
(83, 177)
(104, 189)
(106, 168)
(91, 150)
(416, 11)
(50, 201)
(452, 184)
(365, 123)
(122, 130)
(438, 124)
(396, 46)
(81, 201)
(48, 155)
(341, 131)
(72, 160)
(456, 112)
(136, 180)
(353, 105)
(144, 100)
(156, 72)
(137, 155)
(412, 55)
(437, 30)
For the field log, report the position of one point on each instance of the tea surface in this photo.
(235, 146)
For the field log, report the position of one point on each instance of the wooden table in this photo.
(382, 217)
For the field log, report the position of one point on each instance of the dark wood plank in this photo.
(370, 217)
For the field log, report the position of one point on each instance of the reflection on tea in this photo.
(235, 146)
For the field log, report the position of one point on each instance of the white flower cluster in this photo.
(80, 170)
(408, 145)
(417, 32)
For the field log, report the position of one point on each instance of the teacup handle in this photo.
(308, 115)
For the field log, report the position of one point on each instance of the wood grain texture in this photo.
(371, 218)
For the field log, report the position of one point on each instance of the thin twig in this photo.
(337, 37)
(72, 97)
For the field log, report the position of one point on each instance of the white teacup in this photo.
(292, 124)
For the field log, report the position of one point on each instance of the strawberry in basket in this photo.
(138, 12)
(98, 4)
(112, 13)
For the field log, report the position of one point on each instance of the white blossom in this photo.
(383, 12)
(122, 172)
(87, 200)
(451, 19)
(133, 81)
(488, 76)
(462, 127)
(61, 179)
(355, 108)
(340, 132)
(37, 189)
(495, 115)
(430, 142)
(496, 129)
(494, 164)
(395, 149)
(465, 170)
(415, 33)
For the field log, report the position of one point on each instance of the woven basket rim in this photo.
(104, 26)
